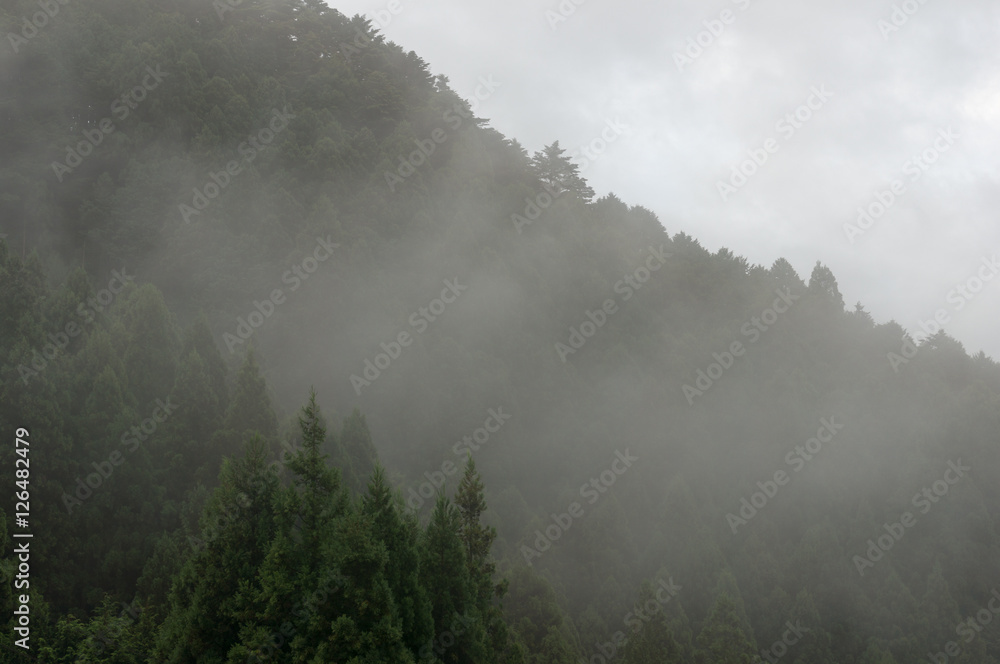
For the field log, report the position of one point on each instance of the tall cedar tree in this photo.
(300, 560)
(560, 174)
(399, 532)
(651, 641)
(722, 640)
(444, 572)
(477, 541)
(209, 596)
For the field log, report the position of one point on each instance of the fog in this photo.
(620, 332)
(692, 123)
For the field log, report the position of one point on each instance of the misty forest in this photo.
(302, 361)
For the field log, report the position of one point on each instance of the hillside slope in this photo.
(274, 175)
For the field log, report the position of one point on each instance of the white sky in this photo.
(891, 95)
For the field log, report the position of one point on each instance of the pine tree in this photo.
(558, 173)
(198, 415)
(151, 352)
(399, 534)
(198, 338)
(722, 639)
(358, 450)
(651, 642)
(445, 576)
(302, 556)
(815, 644)
(477, 540)
(250, 409)
(783, 272)
(208, 601)
(363, 624)
(823, 287)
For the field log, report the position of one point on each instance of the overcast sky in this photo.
(890, 93)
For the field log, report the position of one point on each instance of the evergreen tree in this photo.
(536, 618)
(210, 595)
(477, 540)
(399, 533)
(651, 642)
(198, 338)
(722, 639)
(359, 452)
(558, 173)
(445, 576)
(823, 287)
(250, 409)
(192, 425)
(151, 355)
(303, 553)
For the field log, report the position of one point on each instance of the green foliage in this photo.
(722, 639)
(557, 172)
(229, 559)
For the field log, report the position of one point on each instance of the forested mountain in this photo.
(313, 365)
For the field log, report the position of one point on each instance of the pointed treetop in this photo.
(558, 173)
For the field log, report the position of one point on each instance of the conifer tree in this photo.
(399, 533)
(477, 540)
(722, 639)
(559, 173)
(651, 642)
(445, 575)
(823, 286)
(151, 353)
(197, 417)
(208, 601)
(250, 409)
(359, 452)
(198, 338)
(301, 558)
